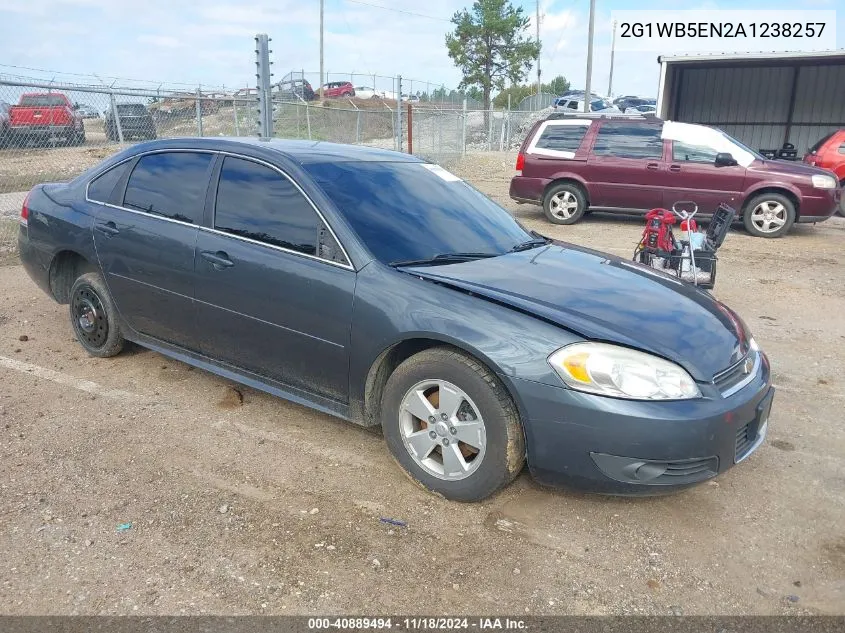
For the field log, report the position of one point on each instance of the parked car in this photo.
(295, 90)
(135, 122)
(411, 98)
(4, 124)
(576, 104)
(424, 308)
(86, 111)
(570, 163)
(45, 118)
(335, 89)
(367, 92)
(630, 101)
(641, 109)
(829, 153)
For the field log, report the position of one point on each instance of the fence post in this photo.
(490, 130)
(308, 120)
(357, 121)
(199, 112)
(508, 138)
(502, 135)
(235, 112)
(464, 129)
(410, 129)
(116, 117)
(399, 113)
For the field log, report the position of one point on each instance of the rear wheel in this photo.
(769, 215)
(451, 425)
(564, 203)
(94, 317)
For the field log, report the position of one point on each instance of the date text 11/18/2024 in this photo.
(418, 623)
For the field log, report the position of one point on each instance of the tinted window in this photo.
(258, 203)
(693, 153)
(564, 138)
(629, 141)
(820, 142)
(44, 101)
(171, 185)
(408, 211)
(102, 186)
(135, 109)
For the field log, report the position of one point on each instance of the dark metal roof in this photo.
(761, 56)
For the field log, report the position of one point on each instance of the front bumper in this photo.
(625, 447)
(819, 206)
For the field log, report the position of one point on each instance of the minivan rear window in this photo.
(629, 141)
(563, 138)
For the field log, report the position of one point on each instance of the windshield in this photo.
(600, 104)
(131, 108)
(416, 211)
(44, 101)
(740, 145)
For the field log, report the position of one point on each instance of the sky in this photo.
(210, 42)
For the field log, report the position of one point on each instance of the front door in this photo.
(274, 289)
(626, 166)
(145, 245)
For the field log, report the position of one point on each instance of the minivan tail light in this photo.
(520, 163)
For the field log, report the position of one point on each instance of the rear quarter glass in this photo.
(558, 138)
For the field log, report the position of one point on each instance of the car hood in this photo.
(787, 168)
(605, 298)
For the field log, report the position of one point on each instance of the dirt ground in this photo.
(137, 485)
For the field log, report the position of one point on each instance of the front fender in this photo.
(392, 307)
(769, 185)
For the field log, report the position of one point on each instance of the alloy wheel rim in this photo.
(564, 204)
(768, 216)
(442, 429)
(89, 317)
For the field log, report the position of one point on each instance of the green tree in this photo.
(557, 86)
(474, 93)
(489, 45)
(517, 93)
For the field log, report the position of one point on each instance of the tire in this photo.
(564, 203)
(94, 317)
(487, 414)
(768, 215)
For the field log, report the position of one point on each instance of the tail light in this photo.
(520, 163)
(24, 219)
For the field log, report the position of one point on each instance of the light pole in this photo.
(587, 87)
(612, 51)
(539, 53)
(321, 49)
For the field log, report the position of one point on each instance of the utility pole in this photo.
(538, 54)
(612, 51)
(321, 49)
(587, 93)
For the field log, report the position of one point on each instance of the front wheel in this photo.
(451, 425)
(94, 317)
(564, 203)
(768, 215)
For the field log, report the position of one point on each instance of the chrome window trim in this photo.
(347, 265)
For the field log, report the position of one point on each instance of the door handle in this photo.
(675, 168)
(652, 166)
(107, 228)
(218, 259)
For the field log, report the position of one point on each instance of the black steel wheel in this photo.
(94, 317)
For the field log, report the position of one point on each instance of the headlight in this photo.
(820, 181)
(620, 372)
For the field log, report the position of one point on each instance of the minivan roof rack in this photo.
(646, 116)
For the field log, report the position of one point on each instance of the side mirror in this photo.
(725, 159)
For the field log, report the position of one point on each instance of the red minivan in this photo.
(572, 163)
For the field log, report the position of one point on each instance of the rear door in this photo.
(145, 242)
(274, 288)
(626, 166)
(692, 173)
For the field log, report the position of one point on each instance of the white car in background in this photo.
(646, 108)
(576, 104)
(368, 92)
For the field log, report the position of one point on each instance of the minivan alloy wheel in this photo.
(442, 429)
(563, 204)
(769, 216)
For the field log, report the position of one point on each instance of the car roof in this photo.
(300, 151)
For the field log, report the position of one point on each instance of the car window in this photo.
(629, 141)
(44, 101)
(572, 105)
(815, 148)
(101, 188)
(693, 152)
(561, 138)
(408, 211)
(842, 148)
(258, 203)
(169, 184)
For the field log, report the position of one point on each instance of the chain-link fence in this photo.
(53, 132)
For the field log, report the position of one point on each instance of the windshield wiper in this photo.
(442, 258)
(539, 240)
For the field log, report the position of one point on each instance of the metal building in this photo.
(762, 99)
